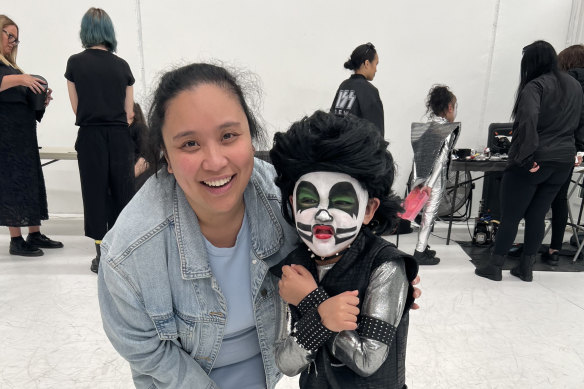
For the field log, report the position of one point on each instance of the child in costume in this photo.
(348, 289)
(433, 142)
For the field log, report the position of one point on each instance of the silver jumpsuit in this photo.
(436, 179)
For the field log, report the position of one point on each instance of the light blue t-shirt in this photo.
(239, 363)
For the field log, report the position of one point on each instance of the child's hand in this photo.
(427, 190)
(296, 283)
(340, 312)
(417, 292)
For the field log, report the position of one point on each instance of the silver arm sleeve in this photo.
(417, 180)
(291, 358)
(440, 162)
(384, 299)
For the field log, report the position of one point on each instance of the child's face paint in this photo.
(329, 209)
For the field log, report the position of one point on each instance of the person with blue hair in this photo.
(102, 98)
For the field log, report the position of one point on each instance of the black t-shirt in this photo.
(357, 96)
(101, 79)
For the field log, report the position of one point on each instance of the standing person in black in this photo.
(356, 95)
(101, 94)
(548, 123)
(139, 134)
(570, 60)
(23, 197)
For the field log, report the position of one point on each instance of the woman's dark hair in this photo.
(139, 115)
(343, 144)
(571, 57)
(139, 132)
(538, 58)
(438, 99)
(361, 54)
(185, 78)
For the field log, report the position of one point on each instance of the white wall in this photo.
(297, 49)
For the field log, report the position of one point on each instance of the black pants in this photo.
(527, 195)
(560, 214)
(105, 158)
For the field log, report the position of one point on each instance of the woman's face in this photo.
(209, 149)
(371, 68)
(9, 36)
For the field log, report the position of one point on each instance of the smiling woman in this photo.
(184, 288)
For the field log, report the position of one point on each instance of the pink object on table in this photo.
(413, 204)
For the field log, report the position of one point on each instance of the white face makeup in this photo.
(329, 209)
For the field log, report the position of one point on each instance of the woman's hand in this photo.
(49, 97)
(534, 168)
(578, 161)
(296, 283)
(340, 312)
(34, 84)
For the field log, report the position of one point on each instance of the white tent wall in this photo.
(297, 50)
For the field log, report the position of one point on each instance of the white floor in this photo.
(469, 333)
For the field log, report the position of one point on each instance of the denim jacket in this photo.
(161, 307)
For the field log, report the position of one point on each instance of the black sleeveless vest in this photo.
(352, 272)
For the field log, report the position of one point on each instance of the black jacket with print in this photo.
(359, 97)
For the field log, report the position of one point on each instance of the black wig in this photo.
(342, 144)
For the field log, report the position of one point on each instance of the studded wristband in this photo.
(372, 328)
(309, 331)
(312, 300)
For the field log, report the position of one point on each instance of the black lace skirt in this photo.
(23, 197)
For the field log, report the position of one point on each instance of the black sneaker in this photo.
(431, 253)
(551, 259)
(95, 261)
(94, 265)
(23, 248)
(424, 259)
(42, 241)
